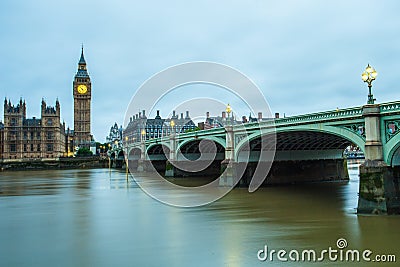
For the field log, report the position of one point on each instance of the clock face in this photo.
(82, 89)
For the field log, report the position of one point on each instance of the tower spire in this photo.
(82, 71)
(82, 60)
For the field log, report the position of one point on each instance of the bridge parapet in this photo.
(322, 116)
(390, 107)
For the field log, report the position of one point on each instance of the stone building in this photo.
(29, 138)
(69, 143)
(1, 140)
(82, 93)
(46, 137)
(140, 125)
(114, 138)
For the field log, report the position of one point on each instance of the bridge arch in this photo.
(134, 153)
(392, 157)
(153, 145)
(217, 140)
(158, 152)
(340, 136)
(191, 149)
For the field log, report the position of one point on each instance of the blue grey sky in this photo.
(306, 56)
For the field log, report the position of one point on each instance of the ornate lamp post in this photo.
(109, 159)
(126, 158)
(172, 123)
(228, 110)
(143, 132)
(368, 76)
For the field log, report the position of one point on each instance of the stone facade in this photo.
(46, 137)
(1, 140)
(82, 92)
(25, 138)
(157, 127)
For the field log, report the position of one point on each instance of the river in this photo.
(93, 217)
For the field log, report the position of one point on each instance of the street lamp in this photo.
(172, 123)
(228, 110)
(143, 134)
(368, 76)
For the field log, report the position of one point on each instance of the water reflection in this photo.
(87, 218)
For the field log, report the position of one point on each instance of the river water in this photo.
(97, 218)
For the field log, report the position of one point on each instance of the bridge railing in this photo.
(390, 107)
(320, 116)
(193, 134)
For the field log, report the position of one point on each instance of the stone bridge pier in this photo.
(379, 183)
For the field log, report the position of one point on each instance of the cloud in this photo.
(306, 56)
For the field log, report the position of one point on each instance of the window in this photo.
(38, 135)
(32, 135)
(25, 135)
(13, 122)
(49, 122)
(38, 147)
(49, 135)
(24, 147)
(49, 147)
(13, 148)
(31, 147)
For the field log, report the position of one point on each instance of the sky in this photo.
(305, 56)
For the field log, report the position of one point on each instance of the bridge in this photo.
(303, 148)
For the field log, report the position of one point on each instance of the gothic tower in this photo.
(82, 91)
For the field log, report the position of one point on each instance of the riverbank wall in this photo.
(51, 164)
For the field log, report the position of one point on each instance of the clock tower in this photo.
(82, 92)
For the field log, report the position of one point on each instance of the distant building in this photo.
(1, 140)
(114, 137)
(69, 143)
(32, 138)
(46, 137)
(158, 127)
(220, 121)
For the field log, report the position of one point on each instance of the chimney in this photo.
(136, 116)
(173, 114)
(244, 119)
(140, 114)
(181, 116)
(259, 116)
(158, 113)
(144, 113)
(277, 115)
(223, 114)
(187, 114)
(208, 114)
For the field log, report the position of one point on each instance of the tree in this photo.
(83, 152)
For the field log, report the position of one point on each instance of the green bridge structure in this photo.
(303, 148)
